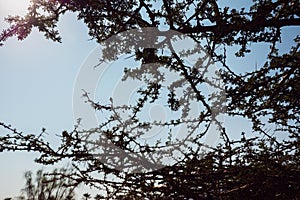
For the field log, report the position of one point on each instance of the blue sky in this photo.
(36, 83)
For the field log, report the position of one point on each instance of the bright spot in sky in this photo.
(14, 7)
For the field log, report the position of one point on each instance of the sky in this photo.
(37, 78)
(36, 84)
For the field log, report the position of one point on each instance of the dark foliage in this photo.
(260, 167)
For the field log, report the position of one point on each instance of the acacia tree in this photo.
(43, 188)
(259, 167)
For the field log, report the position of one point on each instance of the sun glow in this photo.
(13, 7)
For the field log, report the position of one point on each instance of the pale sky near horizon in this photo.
(36, 83)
